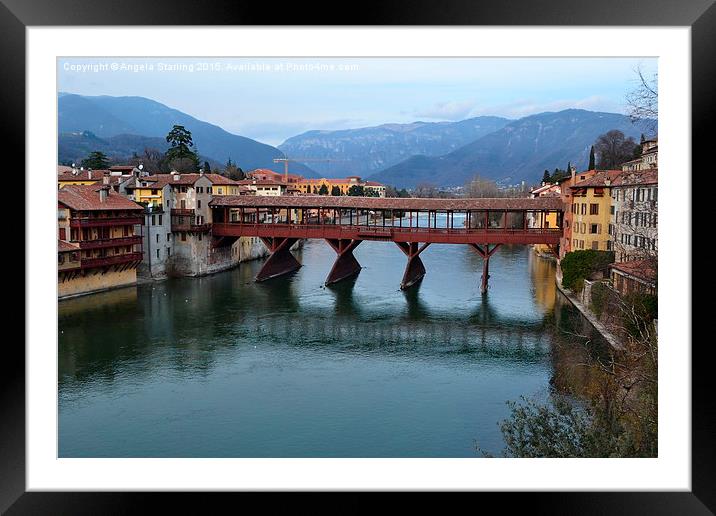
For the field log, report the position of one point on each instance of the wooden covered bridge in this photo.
(412, 224)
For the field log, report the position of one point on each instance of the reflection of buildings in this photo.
(545, 288)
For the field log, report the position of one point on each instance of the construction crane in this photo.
(285, 162)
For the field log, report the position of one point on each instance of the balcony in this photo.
(182, 212)
(192, 228)
(104, 222)
(109, 242)
(106, 261)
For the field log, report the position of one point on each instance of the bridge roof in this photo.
(385, 203)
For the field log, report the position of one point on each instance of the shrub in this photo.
(600, 298)
(579, 265)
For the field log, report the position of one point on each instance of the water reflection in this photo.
(420, 372)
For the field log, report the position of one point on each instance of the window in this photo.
(609, 245)
(157, 238)
(169, 237)
(584, 208)
(594, 229)
(611, 210)
(157, 253)
(209, 189)
(62, 234)
(198, 203)
(183, 236)
(199, 189)
(594, 209)
(153, 220)
(595, 245)
(169, 252)
(154, 192)
(160, 220)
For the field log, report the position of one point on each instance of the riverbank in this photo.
(589, 316)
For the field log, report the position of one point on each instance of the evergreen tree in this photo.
(592, 161)
(356, 191)
(336, 191)
(546, 177)
(96, 161)
(180, 154)
(207, 167)
(323, 190)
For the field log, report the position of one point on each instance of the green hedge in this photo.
(579, 265)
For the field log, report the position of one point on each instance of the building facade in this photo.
(590, 212)
(98, 249)
(634, 218)
(565, 241)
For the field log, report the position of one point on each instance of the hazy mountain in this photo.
(370, 149)
(521, 150)
(74, 147)
(107, 117)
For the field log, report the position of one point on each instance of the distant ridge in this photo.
(108, 117)
(367, 150)
(521, 150)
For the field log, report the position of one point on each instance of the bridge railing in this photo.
(351, 229)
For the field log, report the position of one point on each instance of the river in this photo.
(221, 366)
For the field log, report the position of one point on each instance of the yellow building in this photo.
(313, 186)
(591, 212)
(80, 177)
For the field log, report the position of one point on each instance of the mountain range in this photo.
(367, 150)
(108, 117)
(401, 155)
(521, 150)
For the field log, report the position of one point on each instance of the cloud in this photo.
(448, 110)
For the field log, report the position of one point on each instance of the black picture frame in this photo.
(700, 15)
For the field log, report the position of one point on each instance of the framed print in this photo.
(417, 253)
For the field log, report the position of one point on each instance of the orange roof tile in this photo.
(87, 198)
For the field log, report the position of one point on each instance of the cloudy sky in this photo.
(272, 99)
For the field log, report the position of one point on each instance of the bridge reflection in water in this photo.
(294, 368)
(412, 224)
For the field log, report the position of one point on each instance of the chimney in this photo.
(103, 193)
(105, 179)
(89, 173)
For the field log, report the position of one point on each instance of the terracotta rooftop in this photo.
(649, 176)
(599, 179)
(387, 203)
(642, 269)
(185, 180)
(87, 198)
(63, 246)
(82, 175)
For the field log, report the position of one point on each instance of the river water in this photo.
(221, 366)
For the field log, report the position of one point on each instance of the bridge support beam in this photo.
(281, 260)
(414, 270)
(485, 252)
(346, 264)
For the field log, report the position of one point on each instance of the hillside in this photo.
(521, 150)
(370, 149)
(107, 117)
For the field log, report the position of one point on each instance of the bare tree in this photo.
(481, 187)
(613, 149)
(643, 101)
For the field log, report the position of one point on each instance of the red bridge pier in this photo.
(281, 261)
(346, 264)
(485, 252)
(414, 270)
